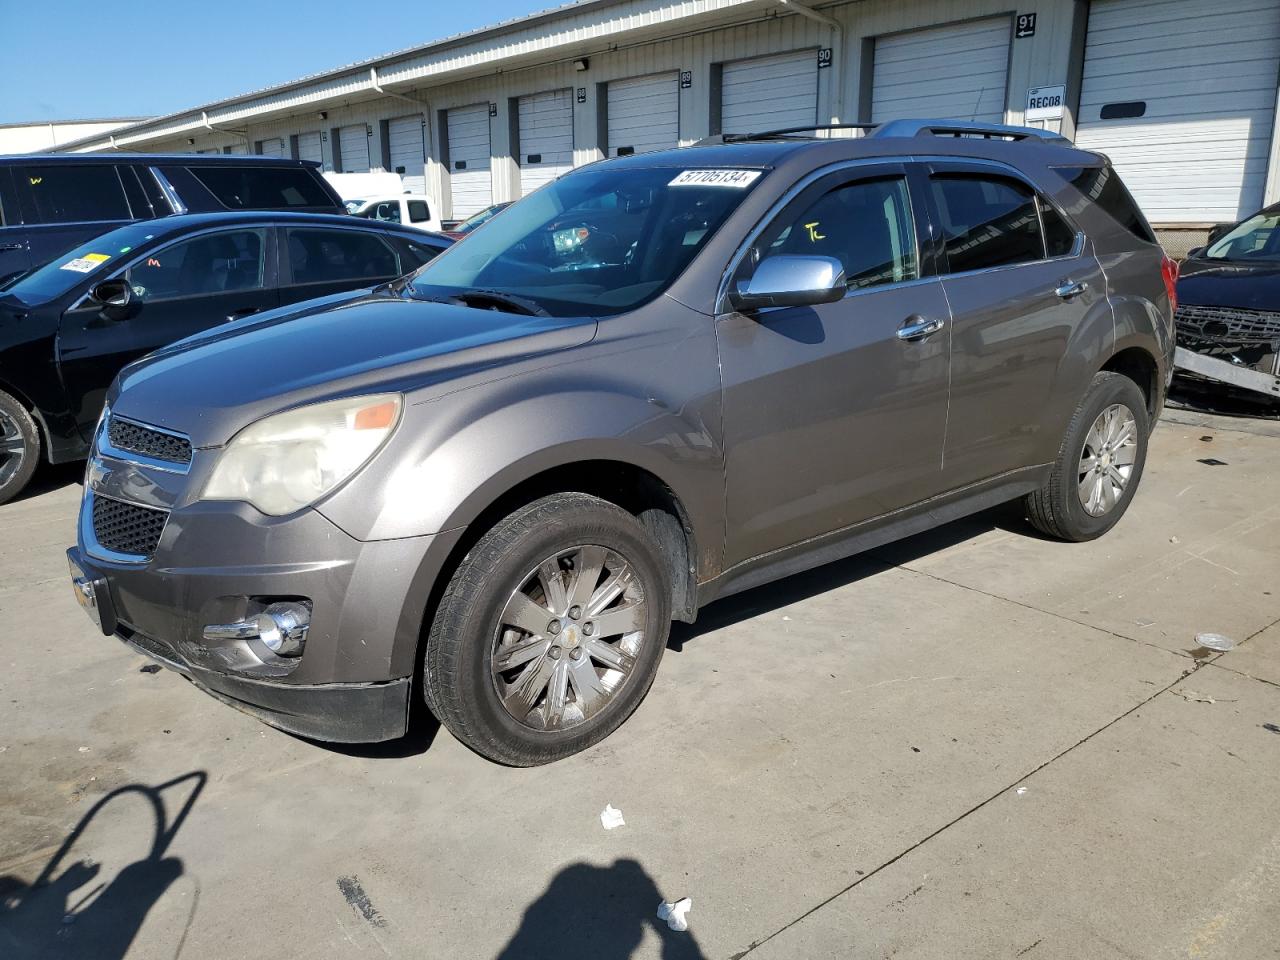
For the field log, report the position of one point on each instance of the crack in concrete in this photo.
(755, 944)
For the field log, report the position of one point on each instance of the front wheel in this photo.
(1099, 464)
(550, 631)
(19, 447)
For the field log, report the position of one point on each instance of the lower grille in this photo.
(126, 527)
(1230, 325)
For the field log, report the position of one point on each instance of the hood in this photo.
(1219, 283)
(211, 386)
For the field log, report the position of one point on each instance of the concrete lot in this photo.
(973, 744)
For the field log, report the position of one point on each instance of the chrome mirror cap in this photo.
(791, 281)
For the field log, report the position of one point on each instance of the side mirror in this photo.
(790, 281)
(116, 298)
(1195, 252)
(1220, 231)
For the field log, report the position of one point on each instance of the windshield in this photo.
(1257, 238)
(485, 215)
(596, 242)
(71, 269)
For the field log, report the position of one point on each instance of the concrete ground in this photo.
(976, 743)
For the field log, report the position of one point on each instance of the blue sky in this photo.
(70, 59)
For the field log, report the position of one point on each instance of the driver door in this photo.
(836, 414)
(179, 290)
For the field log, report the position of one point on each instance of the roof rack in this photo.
(896, 128)
(965, 128)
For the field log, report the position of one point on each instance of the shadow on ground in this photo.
(64, 914)
(597, 913)
(50, 477)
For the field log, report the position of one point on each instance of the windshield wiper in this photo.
(497, 300)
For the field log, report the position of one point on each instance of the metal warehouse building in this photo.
(1181, 94)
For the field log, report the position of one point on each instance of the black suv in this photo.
(50, 203)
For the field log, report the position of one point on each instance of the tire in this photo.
(1076, 504)
(557, 709)
(19, 447)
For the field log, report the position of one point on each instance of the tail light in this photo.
(1169, 273)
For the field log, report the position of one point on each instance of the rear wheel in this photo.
(19, 447)
(1099, 464)
(550, 631)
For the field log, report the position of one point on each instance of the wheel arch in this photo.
(42, 427)
(1139, 364)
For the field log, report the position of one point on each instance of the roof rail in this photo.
(964, 128)
(812, 131)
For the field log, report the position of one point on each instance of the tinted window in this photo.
(866, 226)
(317, 256)
(87, 262)
(211, 264)
(1103, 186)
(418, 211)
(1059, 236)
(987, 222)
(72, 192)
(262, 188)
(415, 254)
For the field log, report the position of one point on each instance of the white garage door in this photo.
(273, 147)
(644, 114)
(407, 147)
(309, 147)
(469, 180)
(769, 93)
(354, 145)
(546, 137)
(1186, 119)
(956, 72)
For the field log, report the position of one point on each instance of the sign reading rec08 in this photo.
(1045, 103)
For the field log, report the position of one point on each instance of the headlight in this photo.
(292, 459)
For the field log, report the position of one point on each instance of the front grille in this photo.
(135, 438)
(126, 527)
(1229, 325)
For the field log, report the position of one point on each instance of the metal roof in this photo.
(571, 23)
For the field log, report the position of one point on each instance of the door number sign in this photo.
(1026, 26)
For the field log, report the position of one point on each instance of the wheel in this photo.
(19, 447)
(550, 631)
(1099, 464)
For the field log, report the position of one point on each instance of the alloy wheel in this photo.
(568, 638)
(13, 448)
(1107, 459)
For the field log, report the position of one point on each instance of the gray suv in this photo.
(659, 380)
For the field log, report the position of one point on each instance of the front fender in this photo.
(455, 455)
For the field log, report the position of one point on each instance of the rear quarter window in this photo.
(262, 188)
(71, 193)
(1104, 187)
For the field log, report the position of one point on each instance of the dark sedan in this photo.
(1229, 294)
(67, 328)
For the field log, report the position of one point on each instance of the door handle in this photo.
(11, 246)
(1071, 288)
(917, 328)
(241, 314)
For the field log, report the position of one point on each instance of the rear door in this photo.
(15, 258)
(835, 414)
(182, 288)
(317, 261)
(1021, 285)
(65, 204)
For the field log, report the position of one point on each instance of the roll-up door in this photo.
(407, 148)
(644, 114)
(769, 93)
(309, 147)
(1181, 95)
(272, 147)
(954, 72)
(470, 182)
(354, 146)
(546, 137)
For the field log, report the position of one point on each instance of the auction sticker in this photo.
(737, 179)
(86, 263)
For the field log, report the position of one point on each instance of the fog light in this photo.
(282, 628)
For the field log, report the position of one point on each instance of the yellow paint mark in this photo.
(36, 181)
(1207, 935)
(814, 235)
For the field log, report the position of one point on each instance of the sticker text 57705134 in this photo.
(738, 179)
